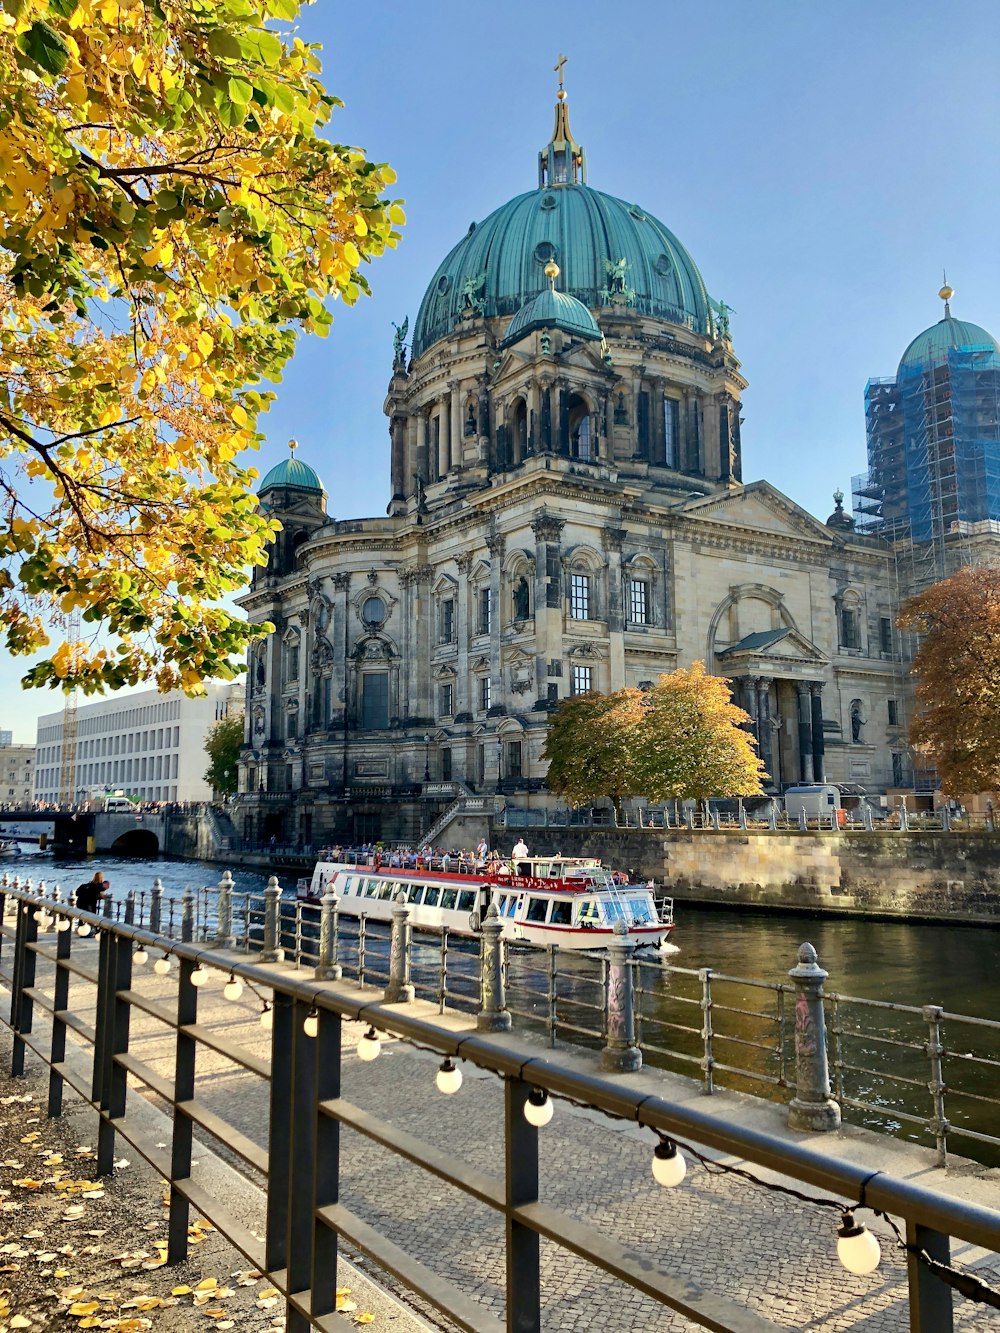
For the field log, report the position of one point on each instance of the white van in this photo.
(819, 800)
(118, 805)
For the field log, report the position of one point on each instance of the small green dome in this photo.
(599, 243)
(931, 347)
(552, 310)
(294, 475)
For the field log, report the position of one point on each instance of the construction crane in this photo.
(67, 771)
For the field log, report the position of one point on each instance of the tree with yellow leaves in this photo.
(170, 218)
(956, 722)
(683, 739)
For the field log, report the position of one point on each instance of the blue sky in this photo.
(821, 163)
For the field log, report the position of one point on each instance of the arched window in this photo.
(519, 432)
(580, 443)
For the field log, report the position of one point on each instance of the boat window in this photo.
(589, 911)
(642, 914)
(613, 911)
(432, 897)
(467, 900)
(502, 905)
(372, 887)
(561, 914)
(348, 884)
(537, 907)
(512, 905)
(448, 898)
(388, 889)
(414, 893)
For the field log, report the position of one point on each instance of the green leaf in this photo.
(240, 91)
(282, 9)
(223, 44)
(45, 47)
(62, 8)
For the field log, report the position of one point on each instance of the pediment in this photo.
(759, 507)
(784, 645)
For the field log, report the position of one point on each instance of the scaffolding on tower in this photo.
(67, 771)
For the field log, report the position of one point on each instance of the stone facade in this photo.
(566, 513)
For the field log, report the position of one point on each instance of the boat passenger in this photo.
(519, 853)
(445, 862)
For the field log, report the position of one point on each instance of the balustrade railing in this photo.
(58, 973)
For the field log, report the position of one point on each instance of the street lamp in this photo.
(427, 757)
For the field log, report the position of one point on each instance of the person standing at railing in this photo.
(88, 895)
(521, 867)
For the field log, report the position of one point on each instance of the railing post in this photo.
(904, 816)
(60, 1003)
(743, 817)
(707, 1030)
(279, 1134)
(493, 1016)
(224, 911)
(621, 1054)
(399, 990)
(868, 819)
(185, 1053)
(273, 952)
(21, 1003)
(803, 820)
(931, 1305)
(936, 1086)
(524, 1288)
(130, 908)
(115, 1076)
(187, 914)
(812, 1107)
(156, 908)
(328, 969)
(945, 819)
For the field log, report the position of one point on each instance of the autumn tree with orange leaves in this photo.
(682, 739)
(956, 722)
(171, 218)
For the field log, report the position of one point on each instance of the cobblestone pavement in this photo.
(732, 1237)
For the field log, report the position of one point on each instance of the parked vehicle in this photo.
(818, 800)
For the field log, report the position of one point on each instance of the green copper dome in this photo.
(931, 347)
(610, 252)
(293, 474)
(552, 310)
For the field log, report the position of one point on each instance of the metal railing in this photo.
(774, 820)
(300, 1169)
(914, 1071)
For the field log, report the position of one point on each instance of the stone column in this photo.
(548, 619)
(456, 429)
(462, 682)
(340, 680)
(621, 1054)
(420, 698)
(422, 460)
(818, 745)
(397, 433)
(750, 684)
(764, 722)
(496, 544)
(812, 1107)
(805, 731)
(613, 540)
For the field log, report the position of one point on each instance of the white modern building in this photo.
(151, 746)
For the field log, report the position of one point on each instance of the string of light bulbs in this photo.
(857, 1248)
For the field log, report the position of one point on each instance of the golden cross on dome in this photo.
(558, 67)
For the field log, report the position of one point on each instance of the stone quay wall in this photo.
(932, 875)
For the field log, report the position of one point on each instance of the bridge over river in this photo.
(83, 832)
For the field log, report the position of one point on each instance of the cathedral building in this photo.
(566, 513)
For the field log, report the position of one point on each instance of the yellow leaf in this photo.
(83, 1307)
(396, 215)
(207, 1284)
(205, 344)
(366, 1317)
(351, 254)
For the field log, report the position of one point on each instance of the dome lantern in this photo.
(562, 160)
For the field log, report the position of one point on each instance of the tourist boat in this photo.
(574, 902)
(8, 848)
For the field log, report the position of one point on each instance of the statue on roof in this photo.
(616, 290)
(723, 312)
(474, 294)
(399, 339)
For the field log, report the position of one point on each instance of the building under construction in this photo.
(933, 481)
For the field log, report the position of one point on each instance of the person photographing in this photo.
(89, 895)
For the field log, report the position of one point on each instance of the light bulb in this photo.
(310, 1024)
(233, 988)
(669, 1166)
(857, 1248)
(199, 976)
(39, 915)
(63, 923)
(83, 929)
(449, 1079)
(140, 956)
(369, 1046)
(538, 1108)
(267, 1018)
(162, 966)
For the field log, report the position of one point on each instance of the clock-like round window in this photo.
(373, 611)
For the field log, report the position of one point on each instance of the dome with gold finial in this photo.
(292, 474)
(932, 347)
(610, 252)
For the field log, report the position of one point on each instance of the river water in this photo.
(916, 964)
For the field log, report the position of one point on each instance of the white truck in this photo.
(819, 801)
